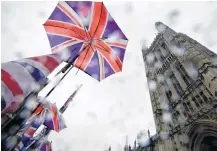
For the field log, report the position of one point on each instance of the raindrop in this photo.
(128, 7)
(114, 36)
(160, 78)
(150, 58)
(167, 117)
(11, 142)
(175, 96)
(178, 51)
(164, 105)
(92, 114)
(48, 116)
(19, 54)
(152, 85)
(180, 108)
(35, 87)
(173, 15)
(191, 70)
(142, 138)
(30, 69)
(95, 76)
(181, 119)
(184, 138)
(41, 14)
(13, 129)
(106, 70)
(31, 104)
(86, 20)
(25, 114)
(93, 63)
(3, 135)
(160, 27)
(158, 64)
(164, 135)
(196, 27)
(214, 61)
(116, 52)
(42, 59)
(64, 54)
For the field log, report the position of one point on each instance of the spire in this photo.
(126, 144)
(149, 135)
(134, 148)
(167, 32)
(110, 148)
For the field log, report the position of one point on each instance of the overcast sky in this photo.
(104, 113)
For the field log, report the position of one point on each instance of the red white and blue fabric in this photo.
(21, 77)
(53, 118)
(30, 127)
(42, 145)
(87, 29)
(26, 134)
(46, 146)
(33, 123)
(66, 104)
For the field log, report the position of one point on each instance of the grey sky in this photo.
(104, 113)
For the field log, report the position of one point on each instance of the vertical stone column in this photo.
(164, 52)
(179, 78)
(210, 81)
(171, 87)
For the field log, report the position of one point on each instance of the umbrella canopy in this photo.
(21, 77)
(85, 31)
(45, 146)
(53, 118)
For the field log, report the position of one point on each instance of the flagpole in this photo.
(43, 83)
(46, 131)
(63, 70)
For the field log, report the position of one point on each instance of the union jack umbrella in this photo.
(27, 131)
(53, 118)
(45, 146)
(69, 100)
(39, 117)
(89, 35)
(29, 127)
(21, 77)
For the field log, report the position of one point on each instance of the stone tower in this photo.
(181, 74)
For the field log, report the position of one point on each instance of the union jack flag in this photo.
(86, 28)
(21, 77)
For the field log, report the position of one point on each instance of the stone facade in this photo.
(183, 88)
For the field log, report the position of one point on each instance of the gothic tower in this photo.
(181, 74)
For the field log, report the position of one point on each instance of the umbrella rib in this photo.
(84, 58)
(109, 53)
(99, 21)
(79, 34)
(81, 22)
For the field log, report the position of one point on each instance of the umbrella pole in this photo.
(42, 101)
(42, 84)
(63, 70)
